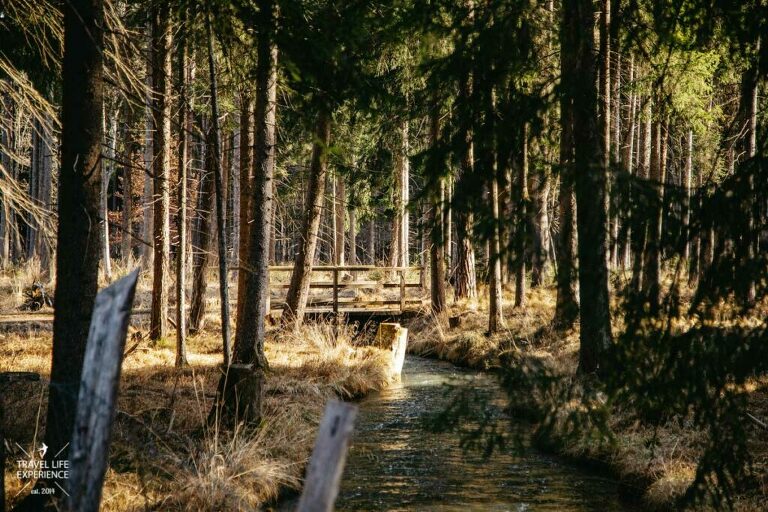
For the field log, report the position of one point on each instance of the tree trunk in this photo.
(567, 306)
(340, 201)
(246, 181)
(652, 271)
(161, 142)
(628, 150)
(126, 239)
(204, 236)
(404, 195)
(686, 179)
(522, 207)
(221, 225)
(108, 171)
(251, 331)
(181, 252)
(591, 175)
(495, 312)
(147, 232)
(436, 251)
(77, 257)
(352, 212)
(541, 242)
(643, 172)
(372, 241)
(298, 292)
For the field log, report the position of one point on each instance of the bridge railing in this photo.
(346, 277)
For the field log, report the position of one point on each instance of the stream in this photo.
(394, 463)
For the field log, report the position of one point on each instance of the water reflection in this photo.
(394, 464)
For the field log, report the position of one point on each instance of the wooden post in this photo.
(98, 394)
(7, 378)
(327, 463)
(336, 291)
(402, 290)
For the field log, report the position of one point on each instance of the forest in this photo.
(223, 220)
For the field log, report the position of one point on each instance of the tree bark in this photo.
(204, 235)
(77, 257)
(183, 148)
(522, 207)
(251, 331)
(339, 214)
(161, 143)
(218, 175)
(567, 305)
(298, 292)
(126, 245)
(147, 249)
(108, 171)
(591, 176)
(437, 223)
(246, 181)
(652, 271)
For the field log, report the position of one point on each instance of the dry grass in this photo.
(658, 464)
(165, 456)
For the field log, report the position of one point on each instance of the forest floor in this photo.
(654, 465)
(164, 453)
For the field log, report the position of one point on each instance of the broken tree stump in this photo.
(394, 337)
(97, 398)
(321, 485)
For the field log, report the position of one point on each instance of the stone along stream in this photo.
(394, 463)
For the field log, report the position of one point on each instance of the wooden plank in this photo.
(97, 398)
(321, 485)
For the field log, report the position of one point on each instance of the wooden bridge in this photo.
(391, 293)
(353, 290)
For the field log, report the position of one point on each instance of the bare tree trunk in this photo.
(643, 171)
(628, 150)
(147, 233)
(77, 257)
(352, 212)
(466, 277)
(495, 311)
(126, 239)
(183, 149)
(372, 241)
(246, 181)
(108, 170)
(567, 305)
(250, 333)
(161, 114)
(339, 213)
(220, 199)
(436, 251)
(686, 179)
(652, 271)
(298, 292)
(204, 235)
(541, 238)
(591, 172)
(404, 195)
(522, 207)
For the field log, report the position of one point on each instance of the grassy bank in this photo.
(164, 455)
(654, 464)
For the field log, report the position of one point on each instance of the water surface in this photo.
(394, 463)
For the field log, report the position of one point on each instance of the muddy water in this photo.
(395, 464)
